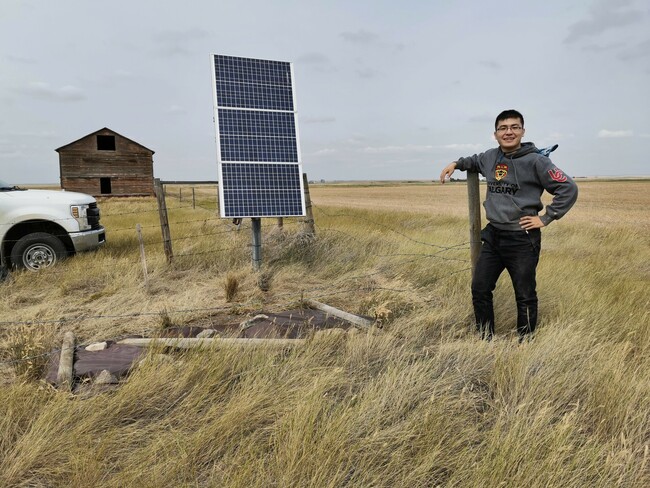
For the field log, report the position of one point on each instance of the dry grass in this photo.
(420, 402)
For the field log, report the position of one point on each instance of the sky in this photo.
(385, 90)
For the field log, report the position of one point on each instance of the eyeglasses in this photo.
(506, 128)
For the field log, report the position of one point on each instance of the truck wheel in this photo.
(37, 251)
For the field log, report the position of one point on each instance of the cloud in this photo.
(491, 64)
(176, 42)
(317, 61)
(177, 36)
(19, 59)
(175, 109)
(356, 139)
(558, 136)
(367, 73)
(323, 152)
(318, 120)
(604, 15)
(640, 50)
(42, 134)
(604, 48)
(463, 147)
(361, 36)
(43, 91)
(122, 74)
(609, 134)
(396, 149)
(313, 58)
(364, 37)
(482, 119)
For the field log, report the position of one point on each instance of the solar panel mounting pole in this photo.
(257, 242)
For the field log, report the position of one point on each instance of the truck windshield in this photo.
(4, 186)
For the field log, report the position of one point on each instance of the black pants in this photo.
(518, 252)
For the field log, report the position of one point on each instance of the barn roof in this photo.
(102, 130)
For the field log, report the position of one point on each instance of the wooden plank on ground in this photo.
(349, 317)
(189, 342)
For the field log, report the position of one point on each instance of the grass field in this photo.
(417, 402)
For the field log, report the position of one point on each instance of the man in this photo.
(517, 174)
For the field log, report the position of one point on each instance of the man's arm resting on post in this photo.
(472, 163)
(447, 171)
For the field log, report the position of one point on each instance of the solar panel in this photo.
(260, 170)
(248, 135)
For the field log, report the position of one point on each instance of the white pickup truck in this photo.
(40, 227)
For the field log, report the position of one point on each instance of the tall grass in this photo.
(419, 402)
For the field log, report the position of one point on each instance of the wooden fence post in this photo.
(164, 221)
(143, 258)
(474, 199)
(65, 374)
(308, 221)
(193, 199)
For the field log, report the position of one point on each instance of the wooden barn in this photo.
(106, 163)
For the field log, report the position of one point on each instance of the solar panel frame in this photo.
(271, 137)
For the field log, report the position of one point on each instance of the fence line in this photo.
(325, 230)
(158, 241)
(381, 225)
(284, 299)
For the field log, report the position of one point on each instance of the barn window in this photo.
(105, 186)
(106, 143)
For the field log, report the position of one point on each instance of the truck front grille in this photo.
(93, 216)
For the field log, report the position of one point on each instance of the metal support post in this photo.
(257, 242)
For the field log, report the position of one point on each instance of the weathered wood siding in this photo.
(129, 166)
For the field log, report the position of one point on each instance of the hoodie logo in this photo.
(501, 171)
(557, 175)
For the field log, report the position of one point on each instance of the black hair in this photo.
(509, 114)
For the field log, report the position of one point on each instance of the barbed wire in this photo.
(424, 255)
(461, 246)
(282, 299)
(232, 227)
(220, 250)
(356, 217)
(239, 227)
(132, 212)
(212, 251)
(158, 225)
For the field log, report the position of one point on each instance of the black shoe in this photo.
(485, 334)
(525, 338)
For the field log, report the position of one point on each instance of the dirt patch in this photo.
(119, 359)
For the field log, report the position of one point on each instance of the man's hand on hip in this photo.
(531, 222)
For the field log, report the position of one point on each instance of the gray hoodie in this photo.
(515, 183)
